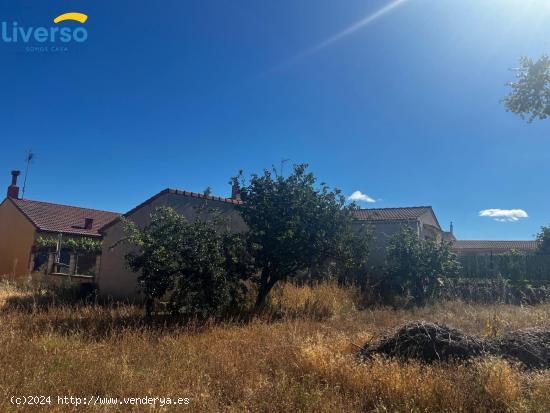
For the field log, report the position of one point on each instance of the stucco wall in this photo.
(16, 239)
(430, 228)
(382, 231)
(115, 279)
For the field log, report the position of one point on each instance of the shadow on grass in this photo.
(41, 312)
(68, 310)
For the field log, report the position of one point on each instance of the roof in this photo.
(175, 192)
(494, 245)
(67, 219)
(384, 214)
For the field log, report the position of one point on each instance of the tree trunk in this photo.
(266, 284)
(149, 306)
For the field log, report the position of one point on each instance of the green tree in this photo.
(198, 267)
(543, 238)
(417, 266)
(530, 95)
(295, 225)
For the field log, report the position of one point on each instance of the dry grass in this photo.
(303, 362)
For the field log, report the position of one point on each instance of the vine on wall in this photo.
(82, 245)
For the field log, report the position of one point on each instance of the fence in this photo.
(517, 268)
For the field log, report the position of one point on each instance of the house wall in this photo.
(382, 231)
(430, 229)
(115, 280)
(16, 240)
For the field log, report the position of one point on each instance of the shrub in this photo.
(198, 267)
(543, 238)
(416, 267)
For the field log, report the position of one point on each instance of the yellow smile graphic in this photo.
(79, 17)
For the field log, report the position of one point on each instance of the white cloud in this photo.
(504, 215)
(359, 196)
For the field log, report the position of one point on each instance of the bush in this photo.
(198, 267)
(415, 268)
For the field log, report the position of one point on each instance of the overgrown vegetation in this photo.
(198, 267)
(543, 239)
(82, 245)
(416, 268)
(296, 225)
(296, 229)
(304, 362)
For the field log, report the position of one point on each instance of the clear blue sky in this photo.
(183, 94)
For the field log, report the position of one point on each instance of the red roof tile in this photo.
(176, 192)
(383, 214)
(63, 218)
(462, 245)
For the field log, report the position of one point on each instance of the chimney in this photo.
(13, 189)
(235, 192)
(88, 222)
(451, 228)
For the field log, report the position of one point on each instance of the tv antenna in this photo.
(283, 161)
(29, 156)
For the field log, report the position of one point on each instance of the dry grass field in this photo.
(302, 361)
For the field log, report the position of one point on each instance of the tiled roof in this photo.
(63, 218)
(176, 192)
(384, 214)
(494, 245)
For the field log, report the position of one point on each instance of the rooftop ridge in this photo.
(176, 192)
(63, 205)
(199, 195)
(410, 207)
(496, 240)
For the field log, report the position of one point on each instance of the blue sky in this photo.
(405, 109)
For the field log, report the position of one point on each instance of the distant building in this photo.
(115, 279)
(22, 221)
(474, 247)
(387, 222)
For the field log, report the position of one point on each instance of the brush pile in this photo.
(429, 342)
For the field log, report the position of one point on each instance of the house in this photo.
(24, 223)
(115, 279)
(386, 222)
(474, 247)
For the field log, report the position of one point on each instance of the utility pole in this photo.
(28, 158)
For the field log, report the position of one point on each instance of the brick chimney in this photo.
(235, 192)
(88, 222)
(13, 189)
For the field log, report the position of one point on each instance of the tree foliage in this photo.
(530, 95)
(543, 238)
(197, 267)
(417, 266)
(295, 225)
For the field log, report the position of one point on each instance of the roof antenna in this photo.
(29, 156)
(283, 161)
